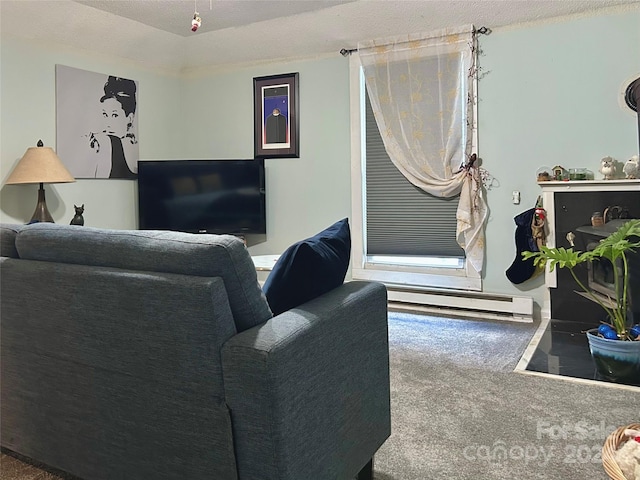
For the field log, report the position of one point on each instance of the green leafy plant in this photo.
(613, 248)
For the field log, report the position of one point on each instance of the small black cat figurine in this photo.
(78, 219)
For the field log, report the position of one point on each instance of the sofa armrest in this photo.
(309, 389)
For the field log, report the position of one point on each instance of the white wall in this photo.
(27, 114)
(304, 194)
(180, 118)
(548, 95)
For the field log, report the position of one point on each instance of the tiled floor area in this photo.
(561, 348)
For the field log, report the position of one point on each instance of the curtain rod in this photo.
(345, 52)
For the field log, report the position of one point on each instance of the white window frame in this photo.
(466, 278)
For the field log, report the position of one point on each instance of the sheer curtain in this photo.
(422, 91)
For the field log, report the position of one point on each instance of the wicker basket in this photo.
(611, 444)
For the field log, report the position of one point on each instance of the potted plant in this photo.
(615, 345)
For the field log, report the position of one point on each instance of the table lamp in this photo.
(40, 165)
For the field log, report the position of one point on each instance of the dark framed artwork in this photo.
(276, 121)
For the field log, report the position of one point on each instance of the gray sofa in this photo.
(154, 355)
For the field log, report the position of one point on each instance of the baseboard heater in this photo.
(459, 303)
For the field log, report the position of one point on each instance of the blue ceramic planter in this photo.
(615, 360)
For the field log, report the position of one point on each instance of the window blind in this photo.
(402, 219)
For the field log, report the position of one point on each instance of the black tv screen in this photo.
(202, 196)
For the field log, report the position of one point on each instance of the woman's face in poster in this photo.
(115, 122)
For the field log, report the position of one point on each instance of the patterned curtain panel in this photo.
(421, 92)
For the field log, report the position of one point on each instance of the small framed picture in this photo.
(276, 116)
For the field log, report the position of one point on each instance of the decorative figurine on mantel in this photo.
(607, 168)
(78, 219)
(560, 173)
(631, 169)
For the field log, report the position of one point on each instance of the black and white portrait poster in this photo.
(96, 124)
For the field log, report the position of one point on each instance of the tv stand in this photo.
(264, 264)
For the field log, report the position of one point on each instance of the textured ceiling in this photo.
(174, 16)
(156, 33)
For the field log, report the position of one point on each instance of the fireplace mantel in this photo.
(550, 192)
(590, 186)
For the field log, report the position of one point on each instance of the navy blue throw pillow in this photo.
(309, 268)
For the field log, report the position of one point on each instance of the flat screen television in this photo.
(202, 196)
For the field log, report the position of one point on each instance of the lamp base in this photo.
(41, 213)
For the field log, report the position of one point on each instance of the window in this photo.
(401, 234)
(404, 224)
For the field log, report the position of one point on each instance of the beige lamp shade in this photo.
(40, 165)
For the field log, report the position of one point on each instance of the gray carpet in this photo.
(460, 412)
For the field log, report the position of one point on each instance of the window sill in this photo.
(406, 261)
(447, 278)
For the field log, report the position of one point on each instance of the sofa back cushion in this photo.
(222, 256)
(97, 361)
(8, 233)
